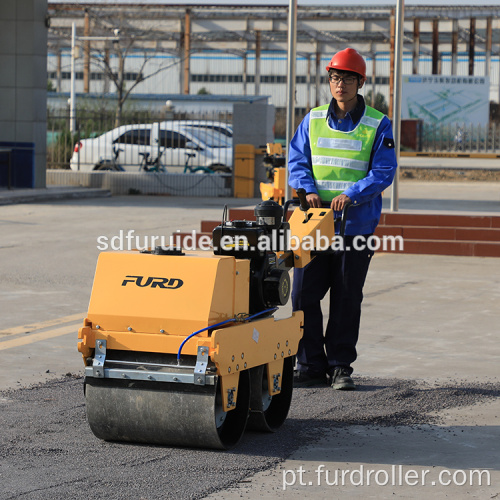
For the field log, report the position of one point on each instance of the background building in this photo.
(241, 50)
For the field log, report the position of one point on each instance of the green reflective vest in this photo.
(339, 159)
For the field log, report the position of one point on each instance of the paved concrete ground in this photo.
(446, 197)
(433, 320)
(50, 193)
(452, 163)
(429, 345)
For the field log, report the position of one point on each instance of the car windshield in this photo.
(224, 130)
(210, 137)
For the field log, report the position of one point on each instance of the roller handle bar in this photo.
(302, 202)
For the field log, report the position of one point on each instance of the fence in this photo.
(93, 123)
(460, 138)
(151, 155)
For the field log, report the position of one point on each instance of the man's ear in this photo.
(361, 82)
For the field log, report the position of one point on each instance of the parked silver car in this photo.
(168, 146)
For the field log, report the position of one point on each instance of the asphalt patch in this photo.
(47, 450)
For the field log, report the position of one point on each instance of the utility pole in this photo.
(398, 82)
(72, 104)
(290, 104)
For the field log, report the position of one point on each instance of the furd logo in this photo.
(153, 282)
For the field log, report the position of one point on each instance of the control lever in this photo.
(304, 204)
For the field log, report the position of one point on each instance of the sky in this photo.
(344, 3)
(337, 3)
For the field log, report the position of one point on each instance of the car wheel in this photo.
(220, 169)
(107, 165)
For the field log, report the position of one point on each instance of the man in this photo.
(342, 152)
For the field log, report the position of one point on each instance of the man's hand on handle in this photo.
(339, 202)
(314, 200)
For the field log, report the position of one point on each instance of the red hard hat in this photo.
(348, 60)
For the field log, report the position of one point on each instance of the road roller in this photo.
(183, 348)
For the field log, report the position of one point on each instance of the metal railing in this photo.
(180, 160)
(460, 138)
(93, 123)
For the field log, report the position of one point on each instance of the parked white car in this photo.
(180, 147)
(222, 127)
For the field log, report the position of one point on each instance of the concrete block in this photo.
(24, 105)
(40, 10)
(39, 137)
(25, 10)
(7, 75)
(491, 249)
(8, 10)
(25, 72)
(429, 233)
(7, 104)
(40, 35)
(40, 105)
(39, 64)
(7, 131)
(24, 37)
(478, 234)
(40, 167)
(31, 72)
(7, 37)
(253, 124)
(24, 131)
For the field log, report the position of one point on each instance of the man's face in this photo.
(344, 85)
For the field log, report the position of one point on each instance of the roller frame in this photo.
(177, 403)
(197, 376)
(233, 349)
(144, 310)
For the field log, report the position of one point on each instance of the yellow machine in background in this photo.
(274, 162)
(182, 348)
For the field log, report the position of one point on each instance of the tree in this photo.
(122, 49)
(379, 104)
(128, 40)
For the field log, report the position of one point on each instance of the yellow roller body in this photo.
(177, 294)
(142, 309)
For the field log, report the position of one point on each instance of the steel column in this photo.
(398, 83)
(317, 80)
(72, 96)
(454, 47)
(391, 71)
(472, 45)
(86, 55)
(489, 37)
(435, 47)
(257, 63)
(290, 101)
(416, 46)
(187, 50)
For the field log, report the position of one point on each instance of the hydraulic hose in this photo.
(231, 320)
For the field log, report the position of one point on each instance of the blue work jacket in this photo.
(366, 194)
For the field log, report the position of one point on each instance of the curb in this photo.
(49, 194)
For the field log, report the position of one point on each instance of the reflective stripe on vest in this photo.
(339, 159)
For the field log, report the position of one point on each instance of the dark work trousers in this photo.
(343, 273)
